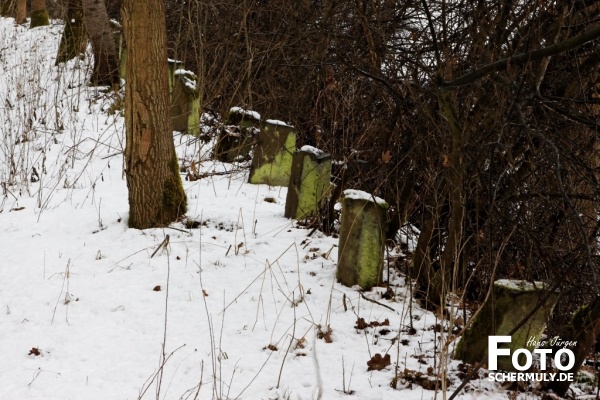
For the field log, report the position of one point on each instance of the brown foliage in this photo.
(377, 362)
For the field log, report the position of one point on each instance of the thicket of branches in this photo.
(504, 160)
(476, 120)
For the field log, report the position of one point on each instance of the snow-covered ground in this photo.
(243, 306)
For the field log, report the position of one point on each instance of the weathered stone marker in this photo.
(185, 102)
(236, 137)
(121, 48)
(362, 239)
(511, 301)
(272, 161)
(173, 65)
(309, 183)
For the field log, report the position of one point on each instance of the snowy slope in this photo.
(243, 297)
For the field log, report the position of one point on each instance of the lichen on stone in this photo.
(361, 246)
(276, 171)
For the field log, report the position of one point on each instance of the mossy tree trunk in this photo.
(434, 275)
(20, 11)
(427, 277)
(156, 195)
(39, 14)
(450, 259)
(74, 37)
(104, 47)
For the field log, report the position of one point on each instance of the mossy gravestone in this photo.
(272, 161)
(185, 102)
(510, 302)
(121, 49)
(309, 183)
(235, 138)
(362, 239)
(173, 65)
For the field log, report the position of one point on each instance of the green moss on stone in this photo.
(39, 18)
(185, 101)
(370, 254)
(173, 65)
(194, 117)
(511, 301)
(315, 182)
(276, 172)
(361, 248)
(122, 62)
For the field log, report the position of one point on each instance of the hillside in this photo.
(244, 304)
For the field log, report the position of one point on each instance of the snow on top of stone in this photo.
(182, 71)
(240, 110)
(277, 122)
(360, 195)
(514, 284)
(312, 150)
(174, 61)
(189, 78)
(190, 84)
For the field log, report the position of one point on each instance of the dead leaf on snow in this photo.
(378, 362)
(35, 351)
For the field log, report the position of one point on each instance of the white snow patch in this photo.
(313, 150)
(240, 110)
(277, 122)
(360, 195)
(182, 71)
(520, 284)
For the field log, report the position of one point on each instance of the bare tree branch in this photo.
(524, 58)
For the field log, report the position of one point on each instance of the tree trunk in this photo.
(106, 59)
(449, 265)
(6, 8)
(39, 14)
(156, 195)
(21, 11)
(74, 37)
